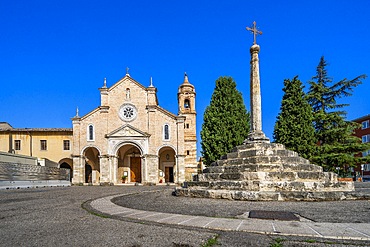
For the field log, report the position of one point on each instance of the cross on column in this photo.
(254, 31)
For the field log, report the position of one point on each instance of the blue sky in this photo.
(55, 54)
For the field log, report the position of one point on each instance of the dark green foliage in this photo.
(294, 127)
(337, 145)
(225, 121)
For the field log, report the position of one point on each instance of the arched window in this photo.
(187, 104)
(166, 132)
(90, 133)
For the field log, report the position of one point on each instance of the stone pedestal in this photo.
(266, 172)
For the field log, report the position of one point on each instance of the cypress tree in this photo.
(225, 121)
(337, 145)
(294, 127)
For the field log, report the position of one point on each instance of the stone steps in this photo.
(269, 176)
(266, 195)
(264, 167)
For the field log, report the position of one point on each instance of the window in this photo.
(366, 153)
(17, 144)
(166, 132)
(43, 145)
(90, 133)
(366, 138)
(66, 145)
(187, 126)
(186, 104)
(365, 124)
(187, 152)
(366, 167)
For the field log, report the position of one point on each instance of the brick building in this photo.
(364, 133)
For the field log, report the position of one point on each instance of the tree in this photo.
(294, 127)
(337, 145)
(225, 121)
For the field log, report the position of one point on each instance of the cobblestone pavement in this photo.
(55, 217)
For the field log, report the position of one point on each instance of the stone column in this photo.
(151, 168)
(104, 169)
(180, 169)
(256, 135)
(78, 169)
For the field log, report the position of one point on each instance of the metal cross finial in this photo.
(127, 68)
(255, 32)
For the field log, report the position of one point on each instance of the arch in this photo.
(90, 146)
(166, 146)
(123, 143)
(129, 159)
(167, 164)
(67, 163)
(92, 162)
(187, 104)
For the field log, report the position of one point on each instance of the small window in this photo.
(17, 144)
(186, 104)
(91, 134)
(43, 145)
(187, 152)
(366, 167)
(166, 132)
(366, 138)
(187, 126)
(365, 124)
(66, 145)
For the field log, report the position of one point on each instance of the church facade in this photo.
(129, 138)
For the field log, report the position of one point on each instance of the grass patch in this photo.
(99, 215)
(211, 242)
(310, 241)
(278, 242)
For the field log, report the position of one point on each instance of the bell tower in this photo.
(186, 101)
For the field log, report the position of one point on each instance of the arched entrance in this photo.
(92, 165)
(67, 164)
(167, 165)
(129, 164)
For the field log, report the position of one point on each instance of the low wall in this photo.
(17, 158)
(13, 175)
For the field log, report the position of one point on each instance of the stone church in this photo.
(129, 138)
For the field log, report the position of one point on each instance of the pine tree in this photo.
(337, 145)
(225, 121)
(294, 127)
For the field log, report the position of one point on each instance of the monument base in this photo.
(263, 171)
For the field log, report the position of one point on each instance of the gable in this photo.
(125, 79)
(127, 131)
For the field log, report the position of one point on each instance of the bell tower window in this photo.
(187, 104)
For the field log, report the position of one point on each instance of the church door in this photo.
(168, 173)
(135, 167)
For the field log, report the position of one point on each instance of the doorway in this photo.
(135, 168)
(168, 174)
(88, 173)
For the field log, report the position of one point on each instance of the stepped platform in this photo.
(266, 172)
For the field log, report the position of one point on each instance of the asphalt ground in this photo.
(57, 217)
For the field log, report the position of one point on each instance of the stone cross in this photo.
(255, 32)
(256, 135)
